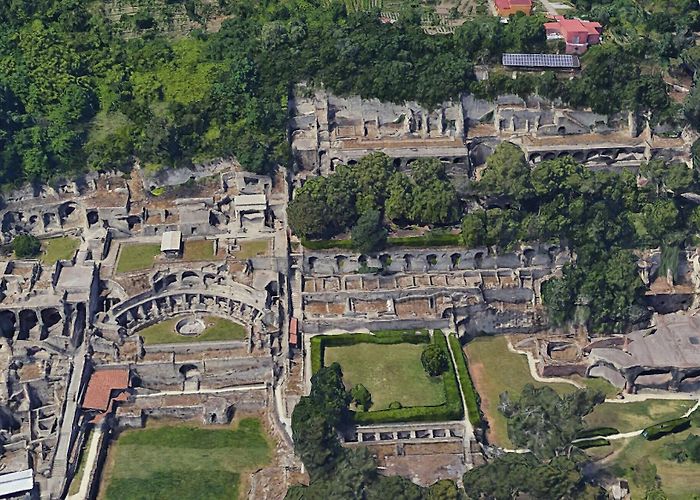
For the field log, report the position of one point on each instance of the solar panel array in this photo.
(541, 60)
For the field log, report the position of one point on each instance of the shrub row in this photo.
(669, 427)
(592, 443)
(387, 337)
(428, 240)
(598, 431)
(471, 397)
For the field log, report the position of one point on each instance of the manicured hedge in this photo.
(429, 240)
(326, 244)
(591, 443)
(471, 397)
(450, 410)
(598, 431)
(669, 427)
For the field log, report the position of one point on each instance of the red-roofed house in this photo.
(507, 8)
(294, 332)
(577, 34)
(103, 387)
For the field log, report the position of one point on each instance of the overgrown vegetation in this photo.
(76, 94)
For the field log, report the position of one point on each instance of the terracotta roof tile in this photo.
(101, 385)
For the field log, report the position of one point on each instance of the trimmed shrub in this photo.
(471, 397)
(598, 431)
(395, 405)
(434, 360)
(664, 428)
(591, 443)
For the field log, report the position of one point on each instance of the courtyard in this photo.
(167, 461)
(142, 256)
(390, 373)
(62, 248)
(206, 329)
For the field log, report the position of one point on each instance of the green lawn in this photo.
(627, 417)
(252, 248)
(184, 461)
(679, 481)
(137, 256)
(220, 329)
(196, 250)
(62, 248)
(494, 369)
(390, 373)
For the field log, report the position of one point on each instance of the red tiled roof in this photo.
(101, 385)
(573, 25)
(294, 331)
(506, 4)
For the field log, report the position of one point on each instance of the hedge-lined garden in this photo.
(451, 409)
(471, 397)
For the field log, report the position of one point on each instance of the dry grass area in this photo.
(494, 370)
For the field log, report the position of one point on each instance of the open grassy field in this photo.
(680, 481)
(494, 370)
(62, 248)
(252, 248)
(389, 372)
(184, 461)
(218, 329)
(195, 250)
(627, 417)
(137, 256)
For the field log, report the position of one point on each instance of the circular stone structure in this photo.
(190, 327)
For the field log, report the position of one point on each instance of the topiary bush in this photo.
(434, 359)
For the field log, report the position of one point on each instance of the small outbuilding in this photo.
(171, 244)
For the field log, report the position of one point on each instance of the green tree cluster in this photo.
(26, 245)
(434, 360)
(601, 215)
(361, 196)
(546, 423)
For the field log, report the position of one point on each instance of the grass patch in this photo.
(218, 329)
(252, 248)
(628, 417)
(389, 372)
(596, 384)
(80, 471)
(183, 461)
(494, 370)
(196, 250)
(678, 480)
(55, 249)
(471, 398)
(137, 256)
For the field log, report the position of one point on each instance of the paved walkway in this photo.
(534, 373)
(90, 464)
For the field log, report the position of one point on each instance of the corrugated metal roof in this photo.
(541, 60)
(16, 482)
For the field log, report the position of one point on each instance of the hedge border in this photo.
(450, 410)
(471, 397)
(426, 241)
(662, 429)
(597, 432)
(591, 443)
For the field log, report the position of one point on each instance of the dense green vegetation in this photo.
(26, 245)
(76, 94)
(363, 195)
(601, 215)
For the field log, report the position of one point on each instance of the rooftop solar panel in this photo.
(541, 60)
